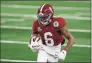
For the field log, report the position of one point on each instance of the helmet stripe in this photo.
(51, 9)
(42, 7)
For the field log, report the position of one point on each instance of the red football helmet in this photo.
(45, 13)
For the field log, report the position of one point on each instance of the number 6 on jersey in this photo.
(48, 41)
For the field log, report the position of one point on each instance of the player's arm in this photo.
(33, 42)
(66, 33)
(70, 38)
(34, 30)
(71, 41)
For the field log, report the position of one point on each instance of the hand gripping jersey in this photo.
(50, 34)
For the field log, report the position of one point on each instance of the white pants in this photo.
(47, 53)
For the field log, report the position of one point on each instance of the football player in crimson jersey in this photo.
(51, 31)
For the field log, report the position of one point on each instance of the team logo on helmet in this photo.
(55, 24)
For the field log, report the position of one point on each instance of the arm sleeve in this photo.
(34, 28)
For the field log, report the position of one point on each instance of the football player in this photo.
(48, 36)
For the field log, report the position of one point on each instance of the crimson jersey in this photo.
(50, 34)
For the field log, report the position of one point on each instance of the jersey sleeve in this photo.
(34, 28)
(62, 22)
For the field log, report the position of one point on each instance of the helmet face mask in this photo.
(44, 14)
(44, 19)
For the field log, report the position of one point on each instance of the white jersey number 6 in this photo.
(48, 41)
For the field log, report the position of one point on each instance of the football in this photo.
(36, 37)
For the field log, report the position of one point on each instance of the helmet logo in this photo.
(55, 24)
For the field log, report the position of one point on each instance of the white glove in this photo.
(33, 49)
(35, 43)
(62, 55)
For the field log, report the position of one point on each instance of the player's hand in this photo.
(35, 43)
(33, 49)
(62, 55)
